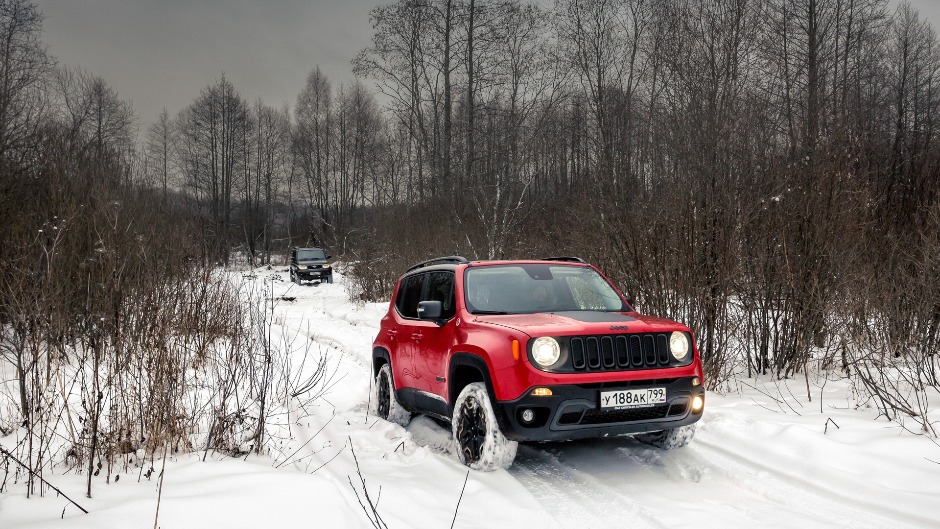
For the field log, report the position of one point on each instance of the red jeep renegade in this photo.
(541, 350)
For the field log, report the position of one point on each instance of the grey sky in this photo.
(161, 53)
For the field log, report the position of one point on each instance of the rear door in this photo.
(406, 315)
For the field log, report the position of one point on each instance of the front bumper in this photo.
(573, 411)
(313, 275)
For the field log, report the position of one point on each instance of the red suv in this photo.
(541, 350)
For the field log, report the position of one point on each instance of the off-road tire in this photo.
(480, 443)
(329, 279)
(383, 403)
(669, 439)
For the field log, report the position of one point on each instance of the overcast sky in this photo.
(161, 53)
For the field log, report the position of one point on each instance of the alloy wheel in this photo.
(471, 430)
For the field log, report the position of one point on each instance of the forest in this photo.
(766, 171)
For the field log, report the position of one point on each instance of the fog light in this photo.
(528, 416)
(697, 403)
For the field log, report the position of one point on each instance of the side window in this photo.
(409, 293)
(441, 288)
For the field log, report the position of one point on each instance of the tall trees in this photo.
(272, 163)
(24, 71)
(914, 72)
(161, 136)
(96, 120)
(311, 147)
(523, 84)
(214, 154)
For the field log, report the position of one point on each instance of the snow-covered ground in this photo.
(763, 456)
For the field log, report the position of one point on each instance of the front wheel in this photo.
(383, 403)
(480, 443)
(668, 439)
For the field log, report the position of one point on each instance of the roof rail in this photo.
(566, 259)
(457, 259)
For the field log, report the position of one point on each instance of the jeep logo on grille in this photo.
(618, 327)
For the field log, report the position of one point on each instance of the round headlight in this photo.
(545, 351)
(679, 345)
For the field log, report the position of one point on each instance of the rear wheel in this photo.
(383, 403)
(480, 443)
(669, 439)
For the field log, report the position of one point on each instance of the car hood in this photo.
(312, 262)
(581, 323)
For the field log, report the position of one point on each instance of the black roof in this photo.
(451, 259)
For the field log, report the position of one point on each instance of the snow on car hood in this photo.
(581, 322)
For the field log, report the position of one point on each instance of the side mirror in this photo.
(429, 310)
(329, 256)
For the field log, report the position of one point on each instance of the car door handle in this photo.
(417, 336)
(391, 334)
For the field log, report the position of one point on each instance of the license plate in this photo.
(632, 398)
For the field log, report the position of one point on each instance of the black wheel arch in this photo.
(467, 368)
(380, 357)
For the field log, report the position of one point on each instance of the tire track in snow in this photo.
(618, 482)
(799, 492)
(310, 316)
(574, 497)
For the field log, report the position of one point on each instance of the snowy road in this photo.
(754, 461)
(763, 456)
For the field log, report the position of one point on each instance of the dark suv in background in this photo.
(310, 264)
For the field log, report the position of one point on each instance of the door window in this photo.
(441, 288)
(409, 293)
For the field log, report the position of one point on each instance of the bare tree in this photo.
(213, 155)
(272, 163)
(159, 148)
(311, 147)
(24, 73)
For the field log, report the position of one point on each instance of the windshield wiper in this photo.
(489, 313)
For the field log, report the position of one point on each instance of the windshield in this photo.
(310, 255)
(529, 288)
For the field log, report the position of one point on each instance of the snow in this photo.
(763, 455)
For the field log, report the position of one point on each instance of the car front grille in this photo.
(619, 352)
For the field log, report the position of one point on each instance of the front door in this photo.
(433, 341)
